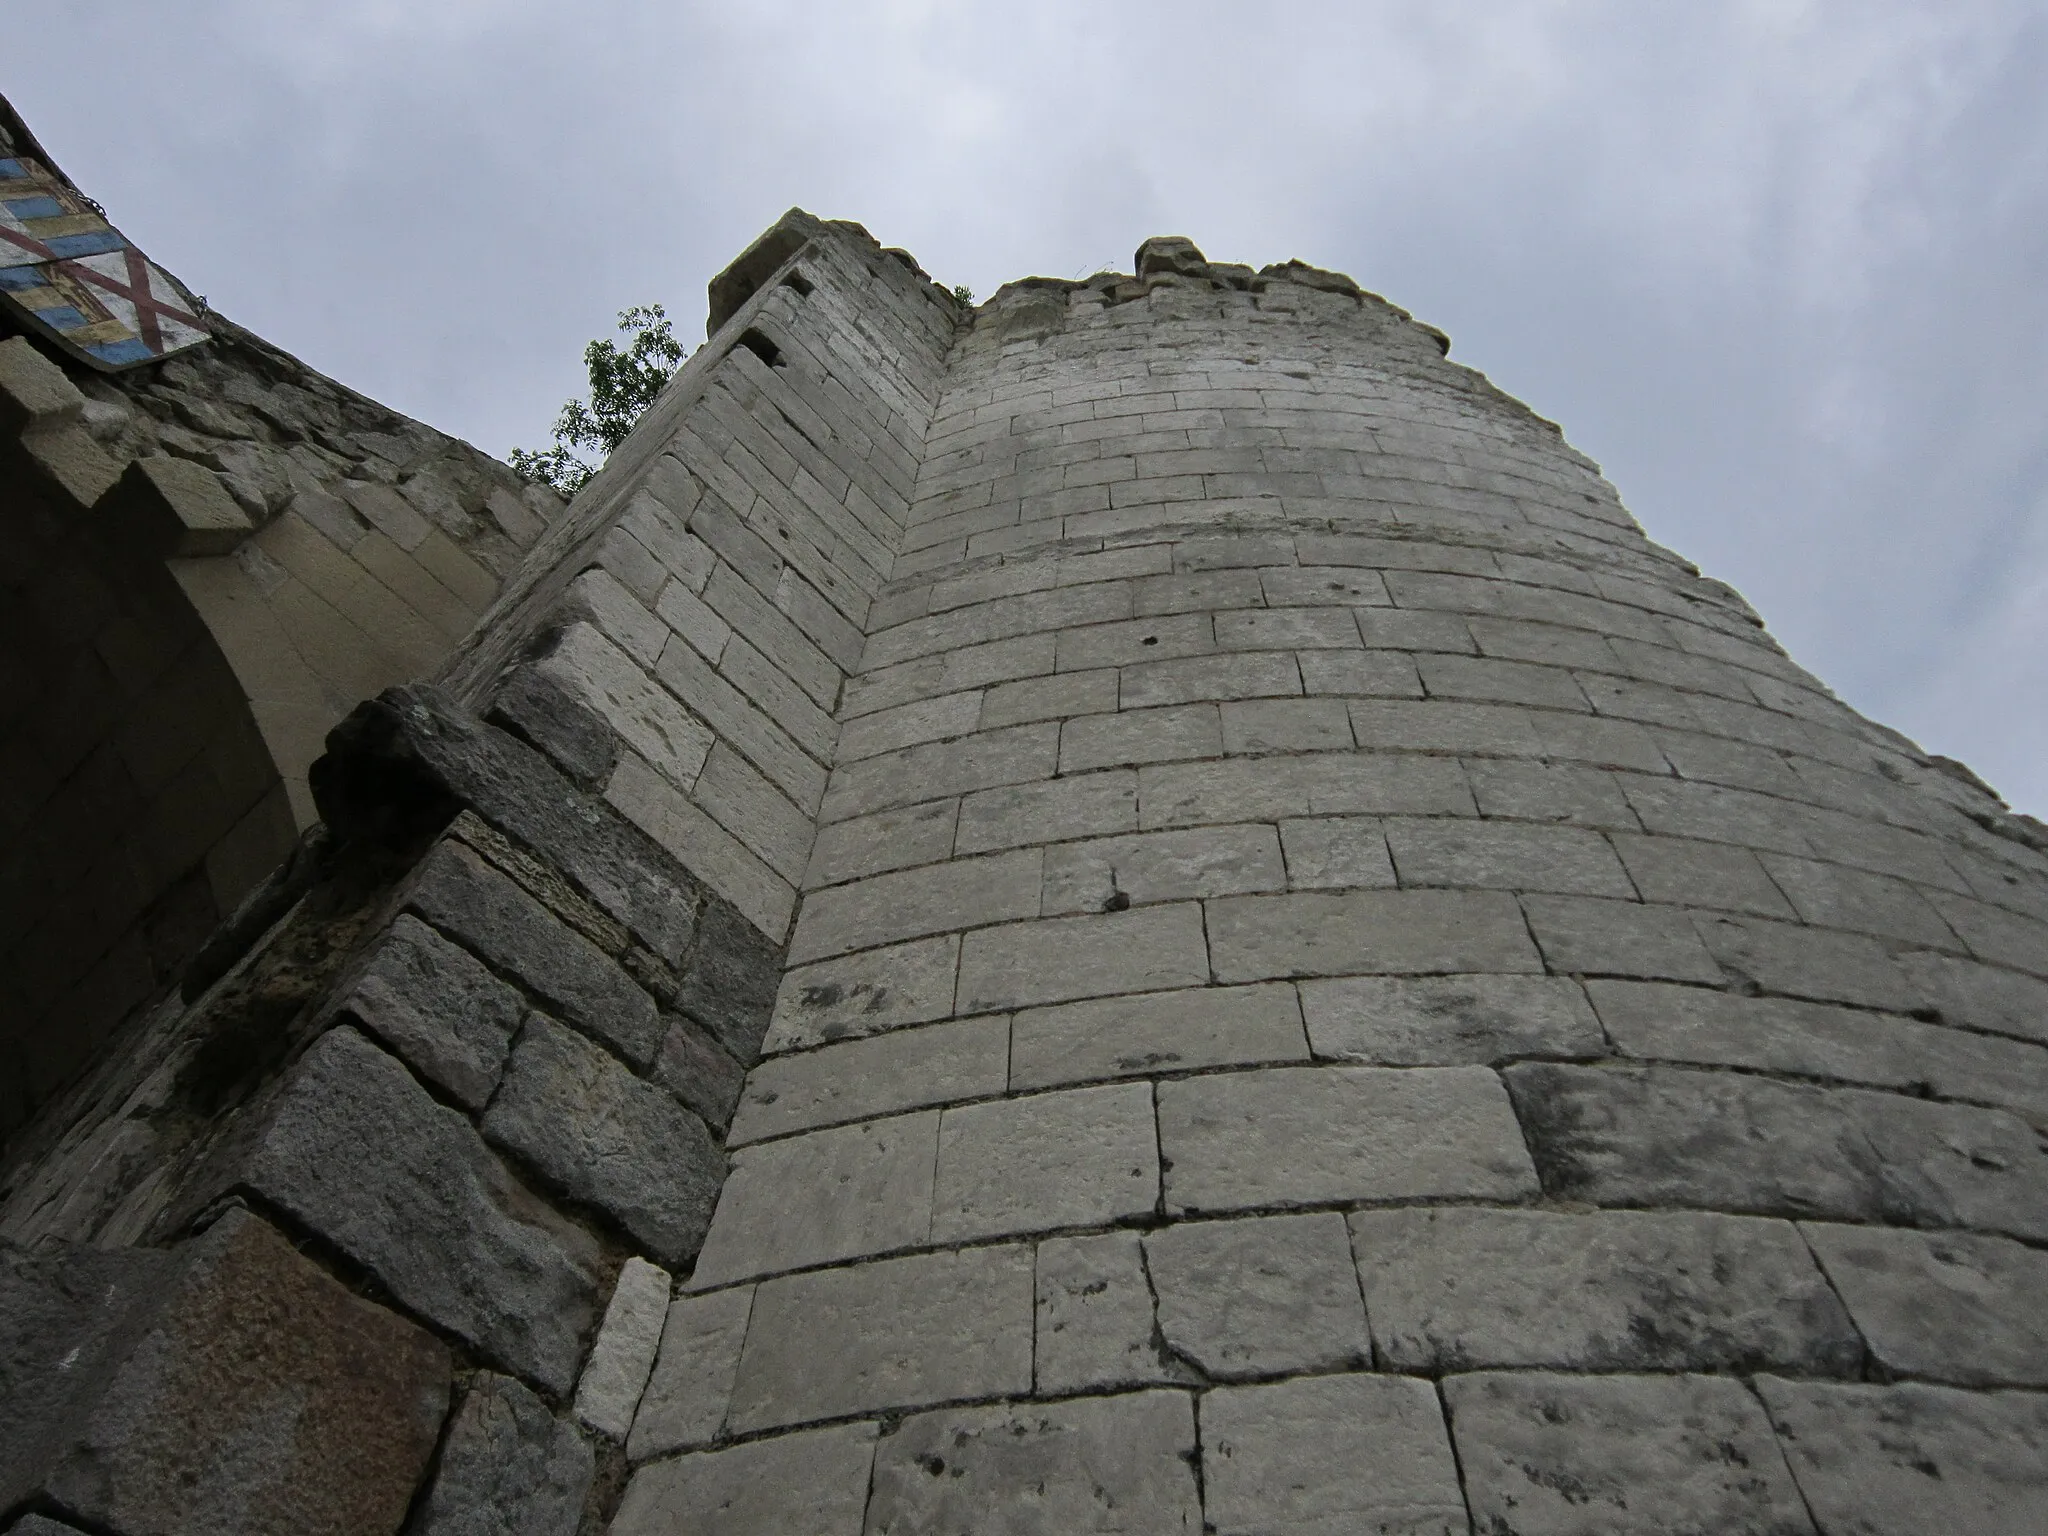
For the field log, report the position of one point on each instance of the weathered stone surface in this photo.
(908, 1069)
(69, 1319)
(1328, 1455)
(1943, 1306)
(607, 1138)
(896, 1333)
(259, 1396)
(1267, 1296)
(535, 705)
(834, 1194)
(413, 748)
(1635, 1136)
(1461, 1289)
(438, 1007)
(1904, 1460)
(1041, 1469)
(1450, 1021)
(1551, 1455)
(41, 1525)
(1146, 949)
(508, 1468)
(1095, 1317)
(1355, 933)
(699, 1071)
(686, 1396)
(1582, 935)
(815, 1482)
(356, 1151)
(1956, 1165)
(1155, 1032)
(1311, 1135)
(1778, 1034)
(729, 983)
(616, 1372)
(1086, 1157)
(463, 896)
(865, 994)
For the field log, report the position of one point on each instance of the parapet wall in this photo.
(1142, 910)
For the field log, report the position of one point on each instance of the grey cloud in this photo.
(1775, 264)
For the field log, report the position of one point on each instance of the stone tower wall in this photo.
(1143, 910)
(1341, 988)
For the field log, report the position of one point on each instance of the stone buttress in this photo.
(1139, 910)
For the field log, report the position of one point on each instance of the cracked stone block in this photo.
(1551, 1455)
(240, 1388)
(616, 1373)
(592, 1129)
(1944, 1306)
(1119, 1464)
(1452, 1289)
(815, 1482)
(687, 1393)
(1904, 1460)
(438, 1007)
(356, 1151)
(700, 1072)
(1095, 1324)
(894, 1333)
(1267, 1296)
(508, 1468)
(1311, 1135)
(1448, 1021)
(1327, 1455)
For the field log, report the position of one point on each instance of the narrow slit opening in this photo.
(762, 348)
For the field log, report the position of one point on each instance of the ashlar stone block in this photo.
(616, 1373)
(1906, 1459)
(1266, 1296)
(1145, 949)
(508, 1465)
(815, 1482)
(1084, 1157)
(1552, 1455)
(1426, 1021)
(467, 899)
(1095, 1323)
(356, 1151)
(1120, 1464)
(861, 1079)
(1155, 1032)
(896, 1333)
(1253, 938)
(1108, 873)
(687, 1392)
(864, 994)
(439, 1008)
(607, 1138)
(1294, 1136)
(1944, 1306)
(823, 1196)
(1329, 1455)
(242, 1389)
(1464, 1288)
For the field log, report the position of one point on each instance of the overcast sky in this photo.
(1781, 267)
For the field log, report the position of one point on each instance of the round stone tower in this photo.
(1339, 988)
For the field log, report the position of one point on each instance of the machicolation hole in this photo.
(761, 347)
(799, 282)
